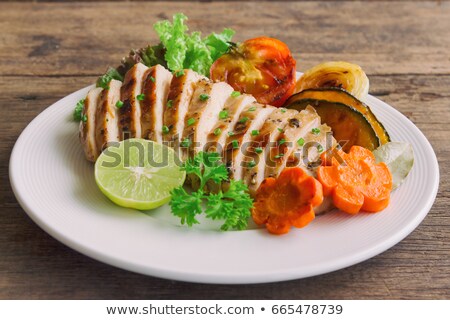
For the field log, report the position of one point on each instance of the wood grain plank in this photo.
(84, 38)
(35, 266)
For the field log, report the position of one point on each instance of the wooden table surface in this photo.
(48, 50)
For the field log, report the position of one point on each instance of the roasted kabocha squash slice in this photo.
(341, 96)
(349, 126)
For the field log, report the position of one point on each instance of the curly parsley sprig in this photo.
(232, 206)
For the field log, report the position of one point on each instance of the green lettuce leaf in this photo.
(190, 51)
(173, 37)
(198, 56)
(218, 44)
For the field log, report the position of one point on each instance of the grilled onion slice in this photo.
(338, 74)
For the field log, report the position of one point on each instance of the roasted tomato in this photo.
(263, 67)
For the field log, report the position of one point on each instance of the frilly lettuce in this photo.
(190, 51)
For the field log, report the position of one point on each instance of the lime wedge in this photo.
(138, 173)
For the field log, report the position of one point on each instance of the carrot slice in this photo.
(348, 200)
(287, 201)
(357, 183)
(329, 178)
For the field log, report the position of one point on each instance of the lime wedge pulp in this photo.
(138, 173)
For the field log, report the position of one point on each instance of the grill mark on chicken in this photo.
(106, 119)
(179, 98)
(87, 127)
(130, 113)
(155, 89)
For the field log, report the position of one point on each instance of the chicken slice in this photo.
(252, 118)
(228, 117)
(206, 103)
(264, 140)
(298, 127)
(87, 124)
(155, 89)
(180, 94)
(130, 93)
(107, 117)
(307, 153)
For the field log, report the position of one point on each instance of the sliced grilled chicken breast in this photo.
(87, 124)
(264, 140)
(228, 117)
(180, 94)
(298, 127)
(206, 103)
(307, 155)
(107, 117)
(155, 89)
(250, 120)
(130, 112)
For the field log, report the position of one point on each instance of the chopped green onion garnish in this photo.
(223, 114)
(84, 118)
(279, 129)
(301, 142)
(278, 156)
(186, 143)
(140, 97)
(251, 164)
(204, 97)
(315, 131)
(217, 131)
(152, 79)
(258, 150)
(235, 94)
(179, 73)
(255, 132)
(165, 129)
(235, 144)
(119, 104)
(282, 141)
(252, 108)
(283, 110)
(243, 120)
(319, 148)
(231, 133)
(190, 121)
(169, 104)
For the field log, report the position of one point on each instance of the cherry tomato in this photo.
(263, 67)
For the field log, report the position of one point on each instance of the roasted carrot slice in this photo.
(356, 183)
(287, 201)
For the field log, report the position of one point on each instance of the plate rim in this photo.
(263, 277)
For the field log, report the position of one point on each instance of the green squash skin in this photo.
(339, 95)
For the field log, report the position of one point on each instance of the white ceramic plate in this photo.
(55, 186)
